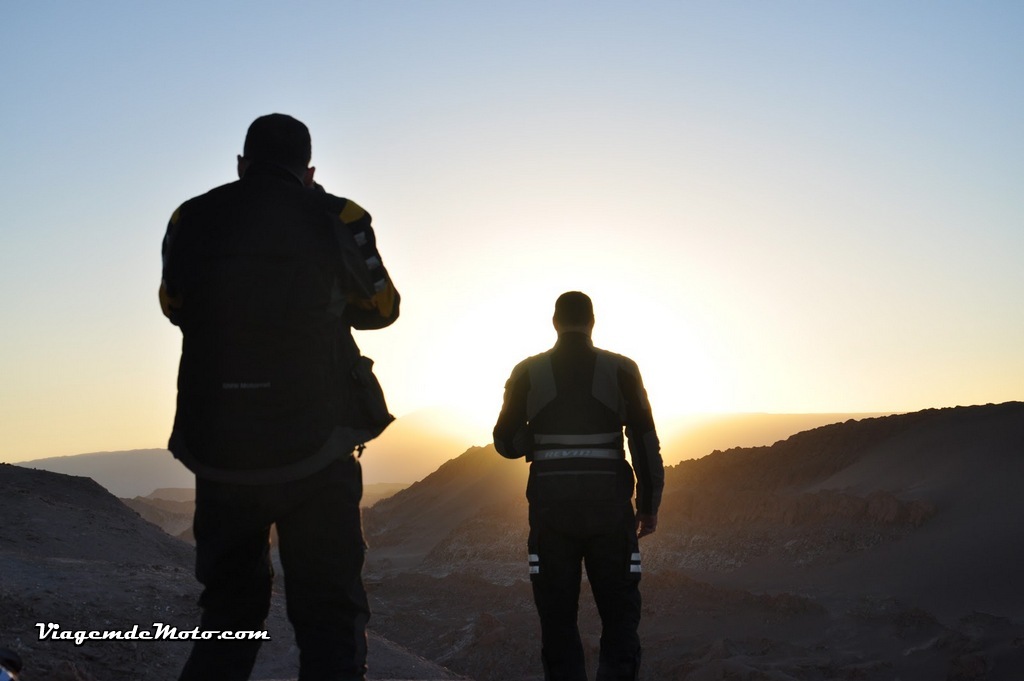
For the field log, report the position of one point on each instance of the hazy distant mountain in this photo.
(171, 509)
(874, 549)
(409, 449)
(131, 473)
(173, 493)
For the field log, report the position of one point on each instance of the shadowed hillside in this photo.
(694, 436)
(402, 529)
(926, 503)
(876, 549)
(73, 555)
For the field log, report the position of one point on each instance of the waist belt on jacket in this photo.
(591, 446)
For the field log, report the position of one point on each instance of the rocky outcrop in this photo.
(173, 517)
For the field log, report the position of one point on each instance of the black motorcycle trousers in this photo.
(601, 536)
(321, 551)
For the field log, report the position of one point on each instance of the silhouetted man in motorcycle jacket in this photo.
(266, 277)
(565, 410)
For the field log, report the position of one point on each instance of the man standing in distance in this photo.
(266, 277)
(564, 410)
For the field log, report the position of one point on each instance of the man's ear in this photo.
(243, 165)
(307, 179)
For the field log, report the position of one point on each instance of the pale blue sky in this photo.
(777, 206)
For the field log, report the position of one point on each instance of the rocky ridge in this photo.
(876, 549)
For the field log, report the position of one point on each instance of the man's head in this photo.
(279, 140)
(574, 311)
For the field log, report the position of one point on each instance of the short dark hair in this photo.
(574, 308)
(279, 139)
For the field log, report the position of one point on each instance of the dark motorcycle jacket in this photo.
(565, 410)
(266, 278)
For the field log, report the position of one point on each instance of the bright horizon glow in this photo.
(784, 208)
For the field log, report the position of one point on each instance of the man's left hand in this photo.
(646, 524)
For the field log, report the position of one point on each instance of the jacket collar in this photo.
(262, 169)
(574, 339)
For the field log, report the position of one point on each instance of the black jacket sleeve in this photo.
(511, 434)
(373, 302)
(644, 447)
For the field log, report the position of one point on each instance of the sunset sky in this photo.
(782, 207)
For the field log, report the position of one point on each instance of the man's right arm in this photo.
(511, 434)
(374, 302)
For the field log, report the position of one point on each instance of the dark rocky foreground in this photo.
(73, 555)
